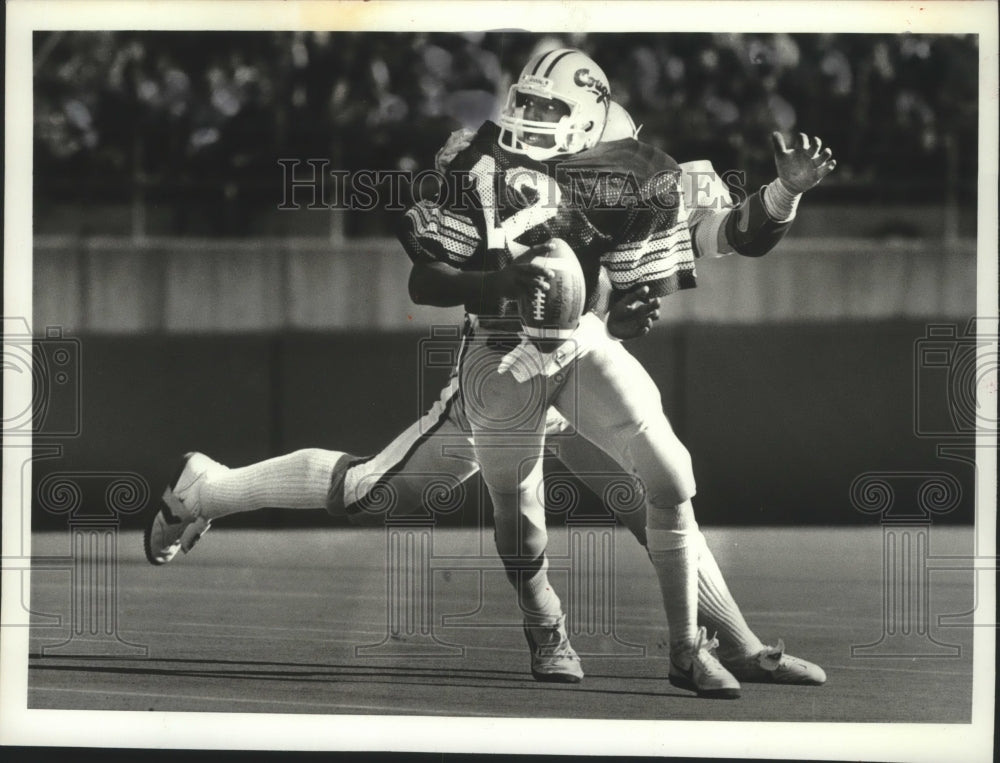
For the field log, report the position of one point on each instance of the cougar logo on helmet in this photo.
(584, 78)
(551, 109)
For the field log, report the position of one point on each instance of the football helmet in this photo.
(580, 89)
(619, 125)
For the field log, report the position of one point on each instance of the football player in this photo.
(204, 490)
(631, 224)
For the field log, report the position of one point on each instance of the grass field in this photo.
(272, 622)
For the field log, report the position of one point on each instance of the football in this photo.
(555, 313)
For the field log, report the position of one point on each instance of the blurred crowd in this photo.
(177, 117)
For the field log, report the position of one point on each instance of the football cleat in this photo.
(704, 674)
(771, 665)
(552, 657)
(178, 524)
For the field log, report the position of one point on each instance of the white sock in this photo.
(299, 480)
(717, 610)
(519, 520)
(538, 602)
(675, 558)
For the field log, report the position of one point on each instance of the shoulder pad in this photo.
(702, 186)
(628, 156)
(619, 125)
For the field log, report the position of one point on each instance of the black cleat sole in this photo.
(147, 540)
(556, 678)
(682, 682)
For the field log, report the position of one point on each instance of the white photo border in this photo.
(890, 742)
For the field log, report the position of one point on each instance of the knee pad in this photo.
(663, 464)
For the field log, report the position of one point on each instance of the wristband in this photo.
(780, 203)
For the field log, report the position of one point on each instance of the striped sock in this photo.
(717, 610)
(675, 559)
(299, 480)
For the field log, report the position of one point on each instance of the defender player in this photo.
(205, 490)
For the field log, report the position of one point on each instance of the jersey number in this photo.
(502, 233)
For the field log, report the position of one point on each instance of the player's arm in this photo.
(442, 285)
(660, 265)
(457, 142)
(652, 247)
(762, 220)
(445, 245)
(756, 226)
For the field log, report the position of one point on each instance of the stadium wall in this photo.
(780, 419)
(787, 377)
(119, 286)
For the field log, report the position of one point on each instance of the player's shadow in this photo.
(247, 670)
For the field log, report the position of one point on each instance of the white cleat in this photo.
(553, 659)
(178, 524)
(772, 666)
(704, 673)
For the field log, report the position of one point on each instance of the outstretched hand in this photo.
(632, 315)
(804, 164)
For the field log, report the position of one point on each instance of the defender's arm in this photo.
(756, 226)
